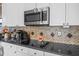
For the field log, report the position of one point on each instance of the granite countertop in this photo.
(37, 48)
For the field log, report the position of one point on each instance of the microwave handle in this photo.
(41, 16)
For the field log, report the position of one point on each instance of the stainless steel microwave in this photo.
(36, 16)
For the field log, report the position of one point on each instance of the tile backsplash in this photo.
(56, 34)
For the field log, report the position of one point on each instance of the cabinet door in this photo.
(13, 12)
(29, 6)
(57, 14)
(42, 5)
(33, 52)
(9, 14)
(73, 13)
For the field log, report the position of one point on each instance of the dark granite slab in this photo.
(56, 48)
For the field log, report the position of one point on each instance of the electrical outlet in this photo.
(59, 33)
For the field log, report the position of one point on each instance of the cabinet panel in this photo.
(57, 14)
(73, 13)
(42, 5)
(12, 12)
(29, 6)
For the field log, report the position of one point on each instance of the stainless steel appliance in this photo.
(36, 16)
(22, 37)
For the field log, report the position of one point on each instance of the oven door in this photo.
(33, 18)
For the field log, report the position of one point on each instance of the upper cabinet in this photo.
(72, 13)
(13, 13)
(9, 14)
(28, 6)
(57, 14)
(42, 5)
(61, 13)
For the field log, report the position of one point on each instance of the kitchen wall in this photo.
(13, 14)
(59, 34)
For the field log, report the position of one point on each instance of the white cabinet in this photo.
(8, 14)
(57, 14)
(42, 5)
(28, 6)
(73, 13)
(12, 13)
